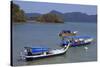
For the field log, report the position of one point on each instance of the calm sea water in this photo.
(46, 35)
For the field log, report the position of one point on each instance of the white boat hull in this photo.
(51, 53)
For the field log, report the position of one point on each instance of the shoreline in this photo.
(32, 22)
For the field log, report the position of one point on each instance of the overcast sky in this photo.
(43, 7)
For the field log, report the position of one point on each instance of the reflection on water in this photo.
(46, 35)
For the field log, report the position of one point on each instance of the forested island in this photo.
(49, 18)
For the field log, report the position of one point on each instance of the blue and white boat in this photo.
(76, 40)
(36, 53)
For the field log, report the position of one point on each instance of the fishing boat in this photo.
(35, 53)
(77, 40)
(64, 33)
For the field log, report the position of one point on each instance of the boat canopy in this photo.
(78, 37)
(36, 50)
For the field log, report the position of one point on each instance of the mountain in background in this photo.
(79, 17)
(67, 17)
(56, 12)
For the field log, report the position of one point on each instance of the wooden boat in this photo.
(42, 53)
(77, 40)
(67, 33)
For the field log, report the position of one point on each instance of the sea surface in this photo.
(46, 35)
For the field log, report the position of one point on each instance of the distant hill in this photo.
(79, 17)
(56, 12)
(68, 17)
